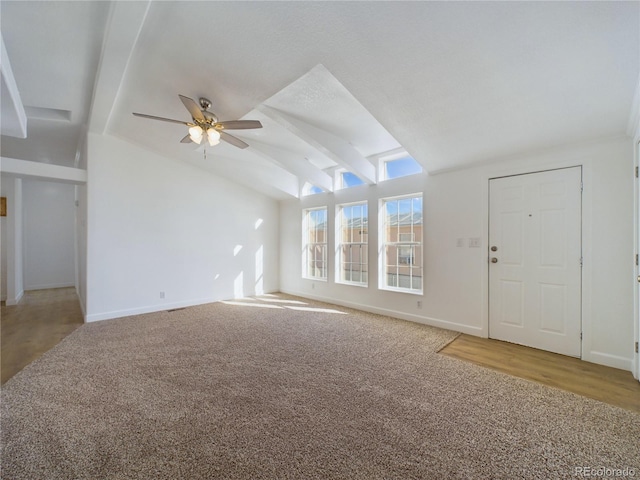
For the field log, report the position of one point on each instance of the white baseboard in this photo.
(48, 286)
(433, 322)
(15, 301)
(95, 317)
(609, 360)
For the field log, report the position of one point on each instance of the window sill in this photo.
(361, 285)
(401, 290)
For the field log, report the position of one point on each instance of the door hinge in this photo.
(637, 347)
(581, 187)
(580, 335)
(636, 259)
(637, 172)
(581, 261)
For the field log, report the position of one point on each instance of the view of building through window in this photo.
(352, 250)
(399, 232)
(315, 243)
(402, 243)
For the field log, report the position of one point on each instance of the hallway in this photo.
(37, 324)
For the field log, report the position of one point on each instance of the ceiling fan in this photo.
(203, 122)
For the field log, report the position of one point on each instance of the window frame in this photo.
(340, 243)
(382, 165)
(309, 189)
(307, 243)
(416, 247)
(338, 180)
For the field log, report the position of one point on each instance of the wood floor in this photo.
(609, 385)
(44, 317)
(41, 320)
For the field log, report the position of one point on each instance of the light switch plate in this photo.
(475, 242)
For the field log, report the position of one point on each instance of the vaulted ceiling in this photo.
(334, 83)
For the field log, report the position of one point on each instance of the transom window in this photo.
(401, 244)
(399, 167)
(346, 179)
(315, 243)
(310, 189)
(352, 244)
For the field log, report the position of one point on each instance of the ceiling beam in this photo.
(262, 176)
(300, 167)
(14, 118)
(328, 144)
(123, 29)
(41, 171)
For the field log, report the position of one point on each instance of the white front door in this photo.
(535, 260)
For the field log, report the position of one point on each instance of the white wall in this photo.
(49, 234)
(13, 286)
(456, 206)
(157, 225)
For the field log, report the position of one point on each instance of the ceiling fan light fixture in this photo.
(195, 133)
(213, 136)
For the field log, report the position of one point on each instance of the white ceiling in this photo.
(455, 83)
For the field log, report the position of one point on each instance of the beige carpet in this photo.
(281, 387)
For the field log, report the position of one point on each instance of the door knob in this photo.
(494, 260)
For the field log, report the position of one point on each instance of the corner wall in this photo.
(49, 231)
(455, 278)
(158, 227)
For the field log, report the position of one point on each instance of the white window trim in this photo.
(397, 154)
(339, 243)
(305, 245)
(382, 261)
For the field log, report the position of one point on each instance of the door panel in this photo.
(535, 284)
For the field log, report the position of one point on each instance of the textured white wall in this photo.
(157, 225)
(49, 234)
(455, 282)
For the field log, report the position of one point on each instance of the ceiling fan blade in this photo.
(193, 108)
(236, 142)
(238, 125)
(186, 139)
(162, 119)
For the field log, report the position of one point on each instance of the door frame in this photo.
(581, 243)
(636, 243)
(526, 168)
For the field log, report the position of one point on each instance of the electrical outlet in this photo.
(460, 242)
(313, 285)
(419, 303)
(161, 294)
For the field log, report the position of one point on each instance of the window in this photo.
(352, 249)
(347, 179)
(310, 189)
(399, 167)
(401, 242)
(315, 244)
